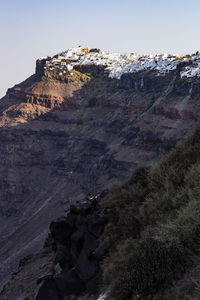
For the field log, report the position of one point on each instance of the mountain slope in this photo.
(153, 229)
(64, 135)
(143, 235)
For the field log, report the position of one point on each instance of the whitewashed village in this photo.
(117, 64)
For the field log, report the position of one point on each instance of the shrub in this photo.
(94, 50)
(184, 230)
(121, 208)
(81, 77)
(153, 224)
(149, 265)
(166, 181)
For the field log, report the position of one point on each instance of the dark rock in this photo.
(95, 224)
(62, 229)
(145, 81)
(100, 251)
(47, 290)
(40, 63)
(63, 256)
(77, 242)
(88, 268)
(69, 282)
(74, 209)
(78, 251)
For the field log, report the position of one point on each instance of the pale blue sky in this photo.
(30, 29)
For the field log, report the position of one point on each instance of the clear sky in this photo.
(30, 29)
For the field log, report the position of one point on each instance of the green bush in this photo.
(184, 229)
(167, 179)
(153, 224)
(148, 266)
(121, 208)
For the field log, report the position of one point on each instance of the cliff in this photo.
(68, 134)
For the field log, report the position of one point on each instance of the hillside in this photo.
(82, 122)
(140, 240)
(153, 229)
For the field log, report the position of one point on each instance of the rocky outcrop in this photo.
(39, 70)
(47, 101)
(78, 253)
(145, 81)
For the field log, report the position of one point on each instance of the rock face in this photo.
(68, 265)
(78, 253)
(63, 137)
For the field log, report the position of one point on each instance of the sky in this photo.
(30, 29)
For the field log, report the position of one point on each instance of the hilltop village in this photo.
(117, 64)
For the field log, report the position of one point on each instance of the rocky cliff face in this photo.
(66, 135)
(78, 253)
(68, 265)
